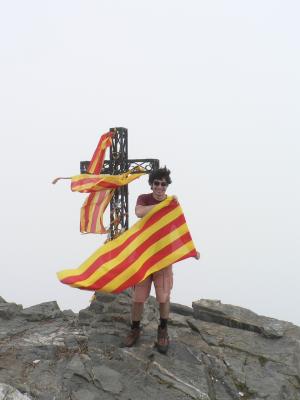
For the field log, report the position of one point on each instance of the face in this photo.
(159, 187)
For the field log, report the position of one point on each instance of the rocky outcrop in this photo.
(217, 352)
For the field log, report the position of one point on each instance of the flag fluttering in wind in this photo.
(159, 239)
(86, 183)
(91, 213)
(100, 187)
(96, 163)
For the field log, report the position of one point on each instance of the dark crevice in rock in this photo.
(213, 317)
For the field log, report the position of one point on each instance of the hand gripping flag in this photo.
(159, 239)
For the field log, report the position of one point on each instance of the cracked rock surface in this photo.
(217, 352)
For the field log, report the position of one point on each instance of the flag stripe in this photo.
(131, 276)
(131, 273)
(93, 183)
(147, 270)
(97, 160)
(159, 239)
(158, 248)
(176, 256)
(99, 197)
(111, 248)
(91, 215)
(133, 256)
(134, 267)
(97, 215)
(94, 263)
(91, 212)
(86, 211)
(98, 218)
(111, 261)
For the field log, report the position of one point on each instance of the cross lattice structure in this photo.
(117, 164)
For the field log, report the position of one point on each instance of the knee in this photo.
(164, 303)
(164, 300)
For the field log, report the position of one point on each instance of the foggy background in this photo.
(210, 88)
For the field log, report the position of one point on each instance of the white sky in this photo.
(211, 88)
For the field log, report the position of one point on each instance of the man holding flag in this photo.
(159, 180)
(140, 255)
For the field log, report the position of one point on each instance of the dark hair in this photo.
(160, 173)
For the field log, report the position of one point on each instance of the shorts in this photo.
(163, 283)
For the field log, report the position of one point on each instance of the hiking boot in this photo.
(162, 340)
(132, 337)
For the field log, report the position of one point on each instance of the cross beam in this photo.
(117, 164)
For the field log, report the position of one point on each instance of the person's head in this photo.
(159, 180)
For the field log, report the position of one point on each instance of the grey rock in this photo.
(116, 308)
(109, 379)
(193, 385)
(86, 317)
(177, 320)
(69, 314)
(250, 343)
(96, 307)
(84, 394)
(102, 297)
(71, 342)
(266, 382)
(238, 317)
(104, 337)
(220, 352)
(271, 328)
(43, 311)
(9, 310)
(8, 392)
(2, 300)
(77, 367)
(181, 310)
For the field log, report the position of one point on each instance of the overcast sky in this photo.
(210, 88)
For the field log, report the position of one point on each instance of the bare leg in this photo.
(164, 309)
(137, 311)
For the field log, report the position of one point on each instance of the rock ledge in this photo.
(217, 352)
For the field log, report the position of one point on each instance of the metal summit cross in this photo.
(117, 164)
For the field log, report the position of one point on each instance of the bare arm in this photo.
(141, 211)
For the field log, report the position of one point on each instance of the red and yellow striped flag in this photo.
(159, 239)
(91, 213)
(86, 183)
(96, 163)
(101, 189)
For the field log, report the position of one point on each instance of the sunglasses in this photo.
(159, 183)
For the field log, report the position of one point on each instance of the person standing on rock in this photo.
(159, 180)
